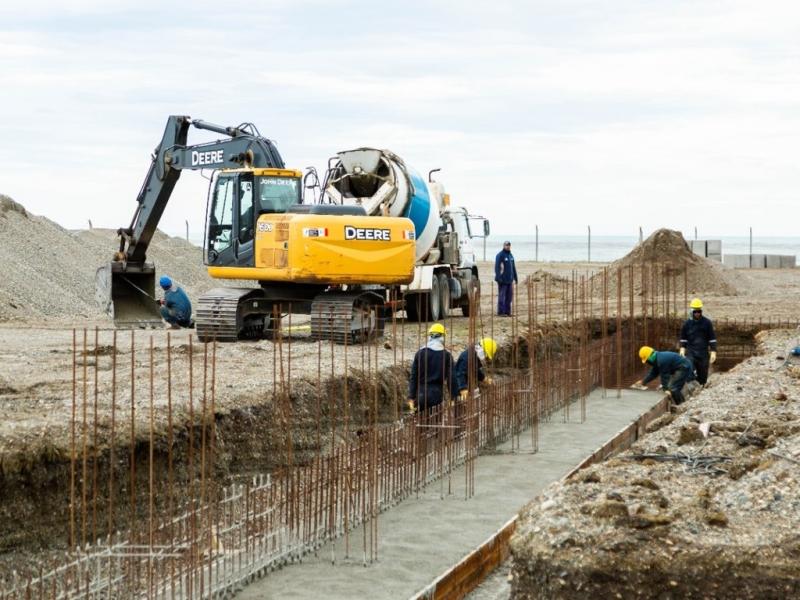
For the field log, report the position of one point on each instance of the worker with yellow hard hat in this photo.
(674, 370)
(469, 366)
(697, 338)
(432, 374)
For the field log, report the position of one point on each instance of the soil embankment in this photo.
(681, 514)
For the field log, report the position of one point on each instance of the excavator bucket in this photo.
(127, 294)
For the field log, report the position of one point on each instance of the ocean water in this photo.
(607, 248)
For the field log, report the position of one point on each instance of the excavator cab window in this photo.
(220, 226)
(277, 194)
(245, 210)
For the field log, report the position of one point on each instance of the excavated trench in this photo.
(255, 438)
(660, 521)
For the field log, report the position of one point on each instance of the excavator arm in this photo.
(125, 288)
(245, 148)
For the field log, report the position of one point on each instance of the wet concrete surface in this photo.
(424, 536)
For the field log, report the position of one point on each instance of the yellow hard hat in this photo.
(696, 304)
(645, 352)
(489, 347)
(437, 329)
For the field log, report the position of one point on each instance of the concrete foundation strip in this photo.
(463, 577)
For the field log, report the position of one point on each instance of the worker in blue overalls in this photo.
(697, 337)
(432, 373)
(675, 370)
(505, 274)
(176, 309)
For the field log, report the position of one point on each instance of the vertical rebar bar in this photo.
(84, 442)
(94, 433)
(112, 443)
(73, 458)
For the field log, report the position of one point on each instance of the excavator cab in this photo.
(237, 199)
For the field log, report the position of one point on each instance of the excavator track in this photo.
(346, 317)
(217, 316)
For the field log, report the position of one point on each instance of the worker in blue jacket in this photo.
(697, 337)
(176, 309)
(431, 372)
(505, 274)
(674, 370)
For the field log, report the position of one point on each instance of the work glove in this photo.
(463, 394)
(638, 386)
(487, 381)
(411, 406)
(713, 358)
(682, 351)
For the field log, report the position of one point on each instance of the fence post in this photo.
(589, 227)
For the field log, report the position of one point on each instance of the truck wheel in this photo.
(412, 306)
(434, 312)
(473, 295)
(444, 295)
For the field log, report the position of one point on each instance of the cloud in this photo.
(546, 112)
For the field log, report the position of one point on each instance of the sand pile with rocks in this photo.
(680, 514)
(48, 272)
(668, 253)
(546, 282)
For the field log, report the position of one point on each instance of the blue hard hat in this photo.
(165, 282)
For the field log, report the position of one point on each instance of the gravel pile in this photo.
(682, 514)
(666, 249)
(48, 272)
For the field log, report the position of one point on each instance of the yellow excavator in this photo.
(333, 262)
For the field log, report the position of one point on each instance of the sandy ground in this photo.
(421, 537)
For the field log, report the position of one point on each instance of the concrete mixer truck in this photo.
(446, 270)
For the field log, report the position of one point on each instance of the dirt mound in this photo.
(667, 251)
(548, 283)
(540, 276)
(48, 272)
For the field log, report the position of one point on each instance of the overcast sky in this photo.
(562, 114)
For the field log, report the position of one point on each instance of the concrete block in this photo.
(773, 261)
(737, 261)
(698, 247)
(758, 261)
(713, 247)
(716, 257)
(788, 261)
